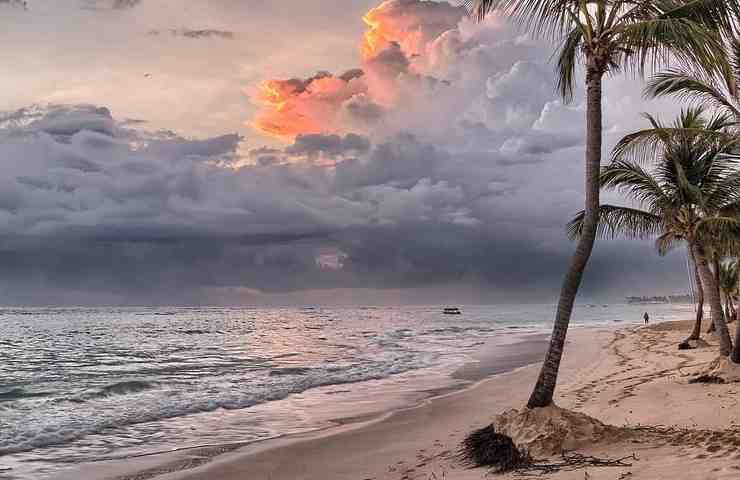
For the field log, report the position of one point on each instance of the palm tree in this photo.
(692, 196)
(696, 332)
(608, 36)
(713, 257)
(728, 278)
(700, 86)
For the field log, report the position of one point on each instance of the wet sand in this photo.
(629, 377)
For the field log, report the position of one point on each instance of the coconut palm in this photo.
(692, 195)
(700, 86)
(713, 258)
(717, 88)
(607, 36)
(696, 331)
(728, 278)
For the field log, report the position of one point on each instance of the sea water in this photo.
(87, 384)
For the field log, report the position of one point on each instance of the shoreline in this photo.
(496, 356)
(622, 376)
(486, 368)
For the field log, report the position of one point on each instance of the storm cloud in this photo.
(442, 158)
(124, 4)
(196, 33)
(110, 209)
(15, 3)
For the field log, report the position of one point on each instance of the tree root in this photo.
(486, 448)
(707, 379)
(573, 461)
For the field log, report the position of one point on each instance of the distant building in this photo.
(661, 299)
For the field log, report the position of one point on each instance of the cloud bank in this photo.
(445, 158)
(15, 3)
(196, 33)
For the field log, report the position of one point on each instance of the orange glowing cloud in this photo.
(293, 107)
(398, 34)
(282, 116)
(411, 24)
(374, 39)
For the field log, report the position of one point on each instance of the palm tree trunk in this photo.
(733, 312)
(696, 333)
(712, 293)
(717, 275)
(715, 272)
(544, 389)
(735, 357)
(727, 309)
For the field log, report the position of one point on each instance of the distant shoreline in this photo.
(660, 299)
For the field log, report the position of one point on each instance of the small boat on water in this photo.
(452, 311)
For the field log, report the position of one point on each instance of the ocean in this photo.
(81, 385)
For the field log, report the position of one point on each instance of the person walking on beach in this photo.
(646, 317)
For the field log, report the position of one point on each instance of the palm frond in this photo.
(635, 182)
(622, 34)
(667, 242)
(548, 18)
(617, 221)
(728, 276)
(723, 191)
(568, 57)
(654, 42)
(694, 88)
(722, 233)
(720, 13)
(731, 209)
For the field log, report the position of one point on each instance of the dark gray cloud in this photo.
(453, 164)
(265, 156)
(101, 5)
(364, 110)
(15, 3)
(124, 4)
(330, 145)
(125, 213)
(195, 33)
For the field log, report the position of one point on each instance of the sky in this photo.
(279, 153)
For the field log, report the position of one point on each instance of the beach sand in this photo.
(633, 376)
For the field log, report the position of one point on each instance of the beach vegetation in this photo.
(689, 196)
(597, 38)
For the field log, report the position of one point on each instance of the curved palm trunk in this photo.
(717, 276)
(715, 272)
(733, 311)
(696, 332)
(544, 389)
(715, 304)
(735, 357)
(728, 316)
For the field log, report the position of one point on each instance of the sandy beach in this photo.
(628, 377)
(249, 240)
